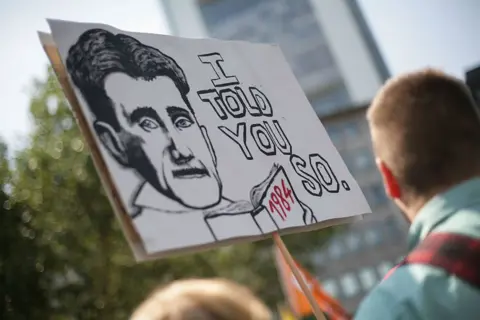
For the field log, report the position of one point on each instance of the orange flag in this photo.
(296, 298)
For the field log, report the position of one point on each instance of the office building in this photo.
(472, 77)
(335, 59)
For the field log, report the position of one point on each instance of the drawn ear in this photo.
(111, 141)
(209, 144)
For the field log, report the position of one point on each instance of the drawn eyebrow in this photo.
(173, 111)
(145, 111)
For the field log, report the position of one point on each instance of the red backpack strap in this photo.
(391, 271)
(457, 254)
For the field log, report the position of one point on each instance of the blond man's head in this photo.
(202, 299)
(426, 134)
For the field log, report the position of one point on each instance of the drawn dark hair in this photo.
(99, 53)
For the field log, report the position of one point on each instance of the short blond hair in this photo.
(202, 299)
(426, 128)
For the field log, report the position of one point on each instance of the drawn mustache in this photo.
(186, 172)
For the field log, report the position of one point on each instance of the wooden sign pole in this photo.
(296, 273)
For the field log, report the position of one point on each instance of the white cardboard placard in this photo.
(206, 142)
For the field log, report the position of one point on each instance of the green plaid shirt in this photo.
(420, 292)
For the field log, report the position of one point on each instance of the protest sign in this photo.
(200, 142)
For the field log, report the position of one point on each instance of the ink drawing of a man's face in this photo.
(155, 113)
(138, 97)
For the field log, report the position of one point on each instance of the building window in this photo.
(292, 25)
(330, 286)
(318, 258)
(363, 159)
(331, 102)
(216, 13)
(352, 129)
(335, 249)
(379, 194)
(335, 134)
(384, 267)
(358, 160)
(367, 278)
(353, 241)
(373, 236)
(349, 285)
(375, 195)
(341, 131)
(392, 229)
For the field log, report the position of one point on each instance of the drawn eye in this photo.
(183, 122)
(148, 125)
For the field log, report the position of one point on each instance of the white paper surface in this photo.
(206, 140)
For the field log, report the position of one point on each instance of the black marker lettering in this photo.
(262, 101)
(222, 80)
(309, 182)
(324, 173)
(211, 96)
(262, 140)
(239, 137)
(251, 108)
(234, 104)
(281, 139)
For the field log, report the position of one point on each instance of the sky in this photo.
(410, 34)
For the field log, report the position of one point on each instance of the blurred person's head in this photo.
(426, 136)
(202, 299)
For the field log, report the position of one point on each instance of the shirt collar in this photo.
(441, 207)
(148, 197)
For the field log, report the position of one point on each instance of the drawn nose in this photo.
(180, 153)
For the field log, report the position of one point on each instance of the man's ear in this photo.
(209, 144)
(111, 142)
(392, 187)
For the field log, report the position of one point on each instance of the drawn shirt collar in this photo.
(148, 197)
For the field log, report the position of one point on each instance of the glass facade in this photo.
(368, 278)
(292, 25)
(331, 102)
(368, 248)
(350, 286)
(331, 287)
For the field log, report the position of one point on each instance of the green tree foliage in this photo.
(93, 275)
(22, 259)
